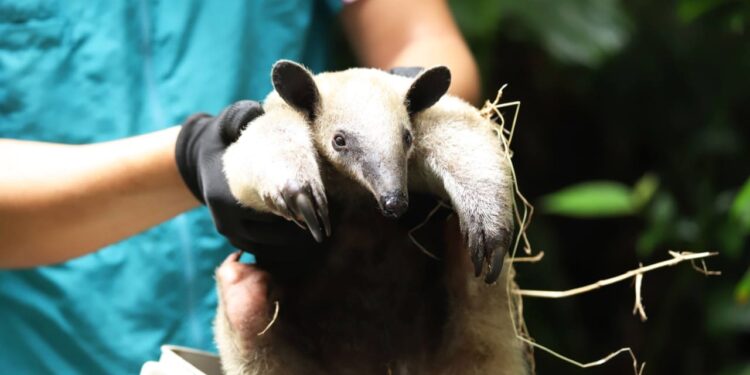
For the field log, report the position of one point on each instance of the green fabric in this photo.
(82, 71)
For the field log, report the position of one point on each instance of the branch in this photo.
(638, 307)
(676, 258)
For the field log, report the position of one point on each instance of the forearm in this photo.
(390, 33)
(62, 201)
(450, 51)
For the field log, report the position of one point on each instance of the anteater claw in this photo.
(476, 244)
(303, 205)
(496, 256)
(321, 206)
(487, 248)
(496, 266)
(323, 213)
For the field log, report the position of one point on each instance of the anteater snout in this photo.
(394, 204)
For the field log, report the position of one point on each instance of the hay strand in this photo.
(273, 320)
(420, 225)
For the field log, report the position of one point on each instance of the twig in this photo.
(638, 370)
(676, 258)
(638, 307)
(703, 269)
(420, 225)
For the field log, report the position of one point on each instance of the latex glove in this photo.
(199, 150)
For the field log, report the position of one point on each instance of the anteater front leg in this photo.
(273, 167)
(459, 156)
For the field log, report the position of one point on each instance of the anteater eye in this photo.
(407, 138)
(339, 141)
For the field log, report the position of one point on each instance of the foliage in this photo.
(593, 199)
(590, 199)
(578, 31)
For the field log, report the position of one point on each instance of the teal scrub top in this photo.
(82, 71)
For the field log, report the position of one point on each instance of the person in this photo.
(105, 256)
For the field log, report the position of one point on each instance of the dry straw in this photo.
(273, 319)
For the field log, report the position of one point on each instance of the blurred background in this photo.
(633, 138)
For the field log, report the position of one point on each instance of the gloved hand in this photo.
(199, 150)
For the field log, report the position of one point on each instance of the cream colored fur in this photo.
(274, 151)
(459, 156)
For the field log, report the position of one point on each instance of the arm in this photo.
(62, 201)
(388, 33)
(273, 165)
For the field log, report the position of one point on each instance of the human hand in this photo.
(243, 296)
(200, 146)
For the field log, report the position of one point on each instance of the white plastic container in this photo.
(178, 360)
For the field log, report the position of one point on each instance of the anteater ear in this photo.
(427, 89)
(296, 86)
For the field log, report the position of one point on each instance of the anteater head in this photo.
(361, 122)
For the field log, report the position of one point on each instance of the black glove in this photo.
(199, 150)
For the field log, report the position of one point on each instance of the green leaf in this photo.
(644, 190)
(577, 31)
(742, 290)
(583, 32)
(740, 209)
(590, 199)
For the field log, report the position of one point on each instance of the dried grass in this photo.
(273, 319)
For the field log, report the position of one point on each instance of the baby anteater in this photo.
(340, 152)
